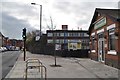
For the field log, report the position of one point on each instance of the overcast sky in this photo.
(14, 16)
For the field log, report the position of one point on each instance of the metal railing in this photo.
(39, 65)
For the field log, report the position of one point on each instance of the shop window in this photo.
(111, 39)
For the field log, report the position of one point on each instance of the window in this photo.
(70, 34)
(101, 35)
(86, 35)
(66, 34)
(62, 41)
(111, 39)
(62, 34)
(66, 41)
(50, 41)
(82, 34)
(76, 34)
(50, 34)
(57, 34)
(79, 34)
(57, 41)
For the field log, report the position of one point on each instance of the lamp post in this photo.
(40, 15)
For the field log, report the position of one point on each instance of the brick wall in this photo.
(111, 60)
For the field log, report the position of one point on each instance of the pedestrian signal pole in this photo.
(24, 39)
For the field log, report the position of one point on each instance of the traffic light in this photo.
(24, 33)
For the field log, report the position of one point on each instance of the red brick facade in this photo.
(102, 51)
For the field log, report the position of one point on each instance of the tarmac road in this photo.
(8, 60)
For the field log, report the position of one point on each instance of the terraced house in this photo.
(104, 34)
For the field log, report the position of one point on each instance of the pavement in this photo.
(72, 68)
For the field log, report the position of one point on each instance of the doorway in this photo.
(101, 50)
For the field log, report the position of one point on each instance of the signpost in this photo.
(37, 38)
(24, 38)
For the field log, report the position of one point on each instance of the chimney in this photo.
(64, 27)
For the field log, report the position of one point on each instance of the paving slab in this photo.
(70, 68)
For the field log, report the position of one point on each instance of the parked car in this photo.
(2, 49)
(5, 49)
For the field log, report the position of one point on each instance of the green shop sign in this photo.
(100, 23)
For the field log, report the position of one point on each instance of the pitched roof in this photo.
(114, 14)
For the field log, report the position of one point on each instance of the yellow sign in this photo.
(74, 45)
(78, 45)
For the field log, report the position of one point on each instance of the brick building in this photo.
(15, 43)
(6, 42)
(1, 39)
(104, 34)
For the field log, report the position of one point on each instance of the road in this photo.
(8, 60)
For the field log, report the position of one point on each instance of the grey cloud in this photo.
(80, 9)
(12, 27)
(64, 6)
(20, 9)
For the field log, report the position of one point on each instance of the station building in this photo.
(104, 34)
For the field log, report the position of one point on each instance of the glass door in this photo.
(101, 54)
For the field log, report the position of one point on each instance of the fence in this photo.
(33, 64)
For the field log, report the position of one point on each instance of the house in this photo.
(104, 34)
(1, 36)
(2, 40)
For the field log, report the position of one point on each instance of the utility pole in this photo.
(40, 16)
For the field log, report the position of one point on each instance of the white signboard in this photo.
(57, 47)
(37, 38)
(37, 35)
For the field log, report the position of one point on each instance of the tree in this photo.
(33, 45)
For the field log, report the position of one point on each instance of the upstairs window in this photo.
(61, 34)
(112, 39)
(50, 34)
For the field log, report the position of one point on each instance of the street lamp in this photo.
(40, 15)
